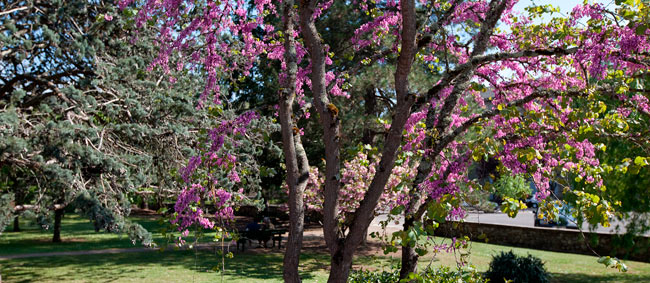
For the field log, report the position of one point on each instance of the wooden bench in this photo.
(262, 236)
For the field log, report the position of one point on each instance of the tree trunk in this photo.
(16, 224)
(364, 241)
(409, 262)
(409, 256)
(294, 242)
(342, 249)
(159, 201)
(370, 103)
(19, 197)
(294, 154)
(296, 216)
(329, 119)
(413, 212)
(58, 215)
(340, 267)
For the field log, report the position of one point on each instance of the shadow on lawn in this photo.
(251, 265)
(623, 277)
(136, 266)
(269, 265)
(77, 233)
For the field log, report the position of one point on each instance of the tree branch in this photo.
(329, 119)
(363, 215)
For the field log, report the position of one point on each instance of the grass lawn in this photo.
(77, 234)
(168, 266)
(264, 266)
(255, 265)
(565, 267)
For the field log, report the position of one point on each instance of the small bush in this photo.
(439, 275)
(448, 275)
(366, 276)
(512, 186)
(508, 266)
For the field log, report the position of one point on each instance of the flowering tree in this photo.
(545, 120)
(502, 85)
(356, 176)
(223, 173)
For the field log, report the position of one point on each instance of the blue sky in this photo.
(565, 5)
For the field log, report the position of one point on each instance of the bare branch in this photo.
(14, 10)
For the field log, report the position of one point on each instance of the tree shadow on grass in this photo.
(77, 233)
(74, 268)
(139, 266)
(587, 278)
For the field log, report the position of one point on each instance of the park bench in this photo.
(262, 236)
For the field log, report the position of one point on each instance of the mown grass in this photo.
(564, 267)
(254, 265)
(259, 266)
(76, 233)
(168, 266)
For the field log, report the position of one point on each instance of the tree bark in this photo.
(364, 214)
(16, 224)
(370, 105)
(295, 157)
(340, 268)
(409, 256)
(58, 215)
(364, 241)
(329, 119)
(296, 218)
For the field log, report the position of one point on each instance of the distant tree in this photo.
(85, 125)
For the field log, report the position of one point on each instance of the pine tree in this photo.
(84, 124)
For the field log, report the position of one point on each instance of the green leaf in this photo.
(397, 210)
(512, 206)
(601, 107)
(640, 161)
(421, 251)
(613, 262)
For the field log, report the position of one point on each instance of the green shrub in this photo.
(515, 187)
(508, 266)
(366, 276)
(442, 275)
(6, 210)
(448, 275)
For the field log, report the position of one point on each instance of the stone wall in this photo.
(552, 239)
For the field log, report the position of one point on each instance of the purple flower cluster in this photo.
(187, 211)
